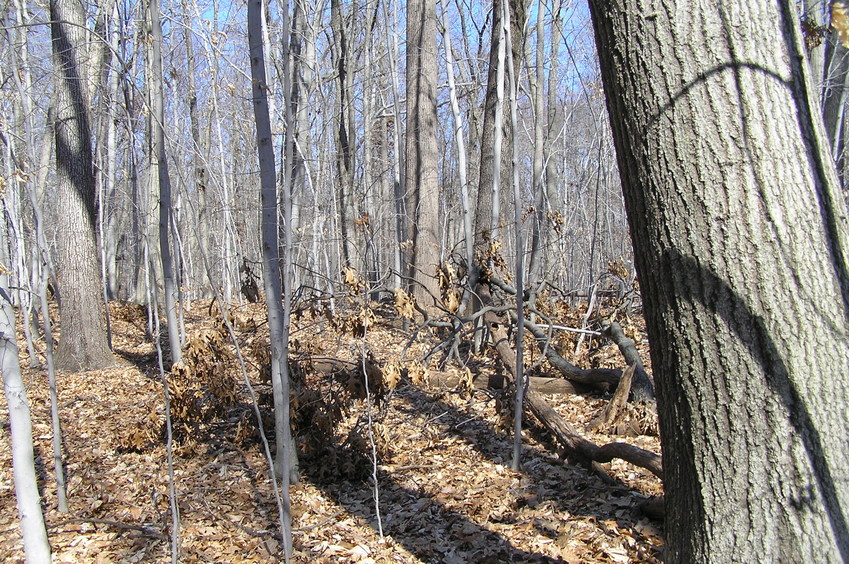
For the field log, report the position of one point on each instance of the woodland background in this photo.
(350, 73)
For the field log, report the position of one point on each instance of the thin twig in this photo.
(149, 531)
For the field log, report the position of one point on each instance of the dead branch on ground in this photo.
(642, 388)
(574, 445)
(600, 378)
(617, 402)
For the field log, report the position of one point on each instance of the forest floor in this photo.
(446, 492)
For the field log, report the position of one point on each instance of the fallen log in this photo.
(630, 453)
(337, 367)
(331, 366)
(538, 384)
(576, 446)
(603, 379)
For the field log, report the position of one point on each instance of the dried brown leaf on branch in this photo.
(353, 280)
(404, 304)
(840, 21)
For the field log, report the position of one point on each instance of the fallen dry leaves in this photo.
(445, 493)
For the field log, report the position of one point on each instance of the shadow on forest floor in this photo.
(446, 493)
(423, 515)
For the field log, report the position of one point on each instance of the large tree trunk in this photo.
(83, 344)
(421, 178)
(741, 238)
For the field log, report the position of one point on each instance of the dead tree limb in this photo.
(630, 453)
(603, 379)
(335, 367)
(152, 532)
(575, 445)
(617, 402)
(541, 385)
(642, 388)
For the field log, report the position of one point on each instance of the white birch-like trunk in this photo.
(42, 256)
(36, 545)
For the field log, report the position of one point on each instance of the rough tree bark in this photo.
(421, 178)
(83, 344)
(740, 235)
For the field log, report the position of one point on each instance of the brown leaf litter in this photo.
(445, 492)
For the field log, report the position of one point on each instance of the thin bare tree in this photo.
(159, 166)
(274, 296)
(36, 545)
